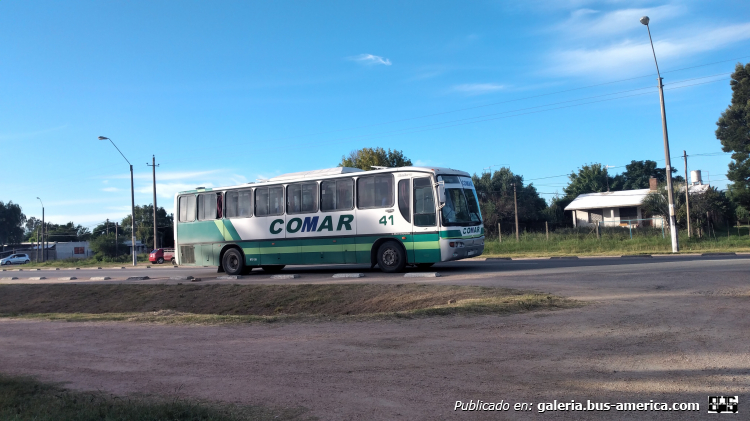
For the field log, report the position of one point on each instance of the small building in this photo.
(618, 208)
(72, 250)
(608, 208)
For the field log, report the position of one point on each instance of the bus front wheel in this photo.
(391, 257)
(233, 262)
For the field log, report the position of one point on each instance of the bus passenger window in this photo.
(261, 201)
(238, 203)
(375, 191)
(403, 199)
(337, 195)
(187, 208)
(207, 206)
(276, 200)
(424, 203)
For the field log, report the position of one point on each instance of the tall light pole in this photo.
(132, 202)
(153, 166)
(40, 201)
(672, 220)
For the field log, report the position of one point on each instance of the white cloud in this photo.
(370, 60)
(585, 23)
(625, 56)
(477, 88)
(110, 189)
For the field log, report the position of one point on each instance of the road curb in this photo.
(99, 278)
(287, 276)
(138, 278)
(563, 257)
(719, 254)
(648, 256)
(348, 275)
(228, 277)
(67, 278)
(422, 275)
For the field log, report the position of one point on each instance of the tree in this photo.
(106, 245)
(656, 203)
(366, 158)
(637, 174)
(734, 133)
(496, 199)
(144, 226)
(11, 223)
(590, 178)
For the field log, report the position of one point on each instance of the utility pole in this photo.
(153, 168)
(107, 226)
(687, 196)
(668, 163)
(515, 204)
(117, 243)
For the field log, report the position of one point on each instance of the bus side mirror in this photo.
(441, 192)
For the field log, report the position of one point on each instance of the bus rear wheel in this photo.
(233, 262)
(272, 268)
(391, 257)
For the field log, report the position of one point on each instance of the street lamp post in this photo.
(43, 248)
(672, 220)
(132, 202)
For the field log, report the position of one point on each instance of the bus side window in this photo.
(207, 206)
(276, 200)
(424, 203)
(403, 199)
(261, 201)
(375, 191)
(337, 195)
(187, 208)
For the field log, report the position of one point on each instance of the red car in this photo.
(161, 255)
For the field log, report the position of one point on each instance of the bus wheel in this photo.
(272, 268)
(391, 257)
(232, 262)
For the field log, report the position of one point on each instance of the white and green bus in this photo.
(390, 217)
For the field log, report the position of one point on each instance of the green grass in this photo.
(219, 304)
(26, 399)
(89, 262)
(613, 241)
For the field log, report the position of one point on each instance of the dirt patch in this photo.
(243, 303)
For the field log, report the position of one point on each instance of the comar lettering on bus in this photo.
(471, 230)
(310, 224)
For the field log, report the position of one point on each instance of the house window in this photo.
(79, 250)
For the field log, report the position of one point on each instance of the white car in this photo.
(19, 258)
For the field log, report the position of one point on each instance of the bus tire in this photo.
(272, 268)
(391, 257)
(233, 262)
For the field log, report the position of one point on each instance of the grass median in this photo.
(217, 304)
(613, 242)
(24, 398)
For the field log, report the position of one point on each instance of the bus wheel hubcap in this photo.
(389, 257)
(233, 262)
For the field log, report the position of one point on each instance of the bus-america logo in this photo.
(471, 230)
(310, 224)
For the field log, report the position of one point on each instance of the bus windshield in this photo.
(461, 205)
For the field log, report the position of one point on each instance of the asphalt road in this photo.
(459, 272)
(670, 329)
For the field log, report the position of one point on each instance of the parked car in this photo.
(161, 255)
(19, 258)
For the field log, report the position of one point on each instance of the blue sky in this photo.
(227, 92)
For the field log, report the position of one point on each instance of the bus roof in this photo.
(331, 173)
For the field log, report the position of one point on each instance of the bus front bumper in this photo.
(456, 249)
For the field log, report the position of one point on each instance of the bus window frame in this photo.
(179, 207)
(392, 196)
(336, 180)
(252, 203)
(316, 196)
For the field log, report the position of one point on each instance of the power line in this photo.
(500, 102)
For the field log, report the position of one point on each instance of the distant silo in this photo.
(695, 177)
